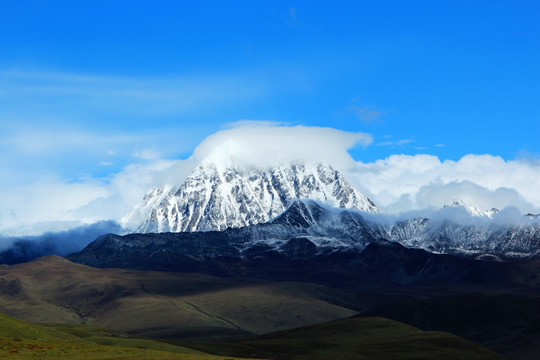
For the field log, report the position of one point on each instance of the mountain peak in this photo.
(219, 196)
(472, 209)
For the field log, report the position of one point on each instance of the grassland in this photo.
(353, 339)
(189, 312)
(358, 339)
(162, 304)
(22, 340)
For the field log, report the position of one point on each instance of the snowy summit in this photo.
(472, 209)
(215, 197)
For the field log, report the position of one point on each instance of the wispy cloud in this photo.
(37, 139)
(292, 14)
(289, 16)
(46, 90)
(253, 123)
(397, 143)
(365, 114)
(32, 153)
(147, 154)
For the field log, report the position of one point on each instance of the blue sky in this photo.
(90, 87)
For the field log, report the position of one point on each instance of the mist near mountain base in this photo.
(15, 250)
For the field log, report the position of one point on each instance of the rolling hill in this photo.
(358, 339)
(164, 304)
(23, 340)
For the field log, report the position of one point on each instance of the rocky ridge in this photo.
(310, 229)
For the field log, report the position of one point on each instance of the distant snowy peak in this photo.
(216, 197)
(472, 209)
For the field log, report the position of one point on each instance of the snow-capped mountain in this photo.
(267, 208)
(215, 197)
(472, 209)
(521, 239)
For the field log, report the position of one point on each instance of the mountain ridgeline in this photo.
(298, 211)
(308, 233)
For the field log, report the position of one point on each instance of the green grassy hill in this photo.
(364, 338)
(22, 340)
(163, 304)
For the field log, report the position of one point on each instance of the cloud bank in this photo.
(404, 182)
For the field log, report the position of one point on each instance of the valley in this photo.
(201, 310)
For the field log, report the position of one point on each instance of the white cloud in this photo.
(128, 187)
(147, 154)
(438, 194)
(54, 205)
(404, 182)
(24, 209)
(266, 144)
